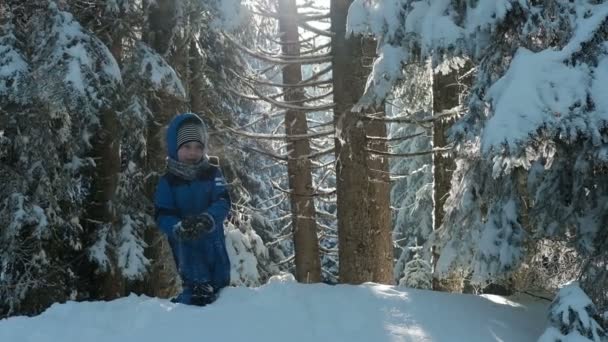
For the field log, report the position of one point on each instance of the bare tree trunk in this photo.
(365, 251)
(308, 265)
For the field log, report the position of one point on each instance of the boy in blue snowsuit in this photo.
(191, 203)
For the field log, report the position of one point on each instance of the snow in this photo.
(287, 311)
(232, 15)
(131, 258)
(540, 90)
(158, 72)
(13, 66)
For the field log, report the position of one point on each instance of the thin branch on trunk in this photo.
(407, 137)
(409, 118)
(280, 136)
(325, 250)
(312, 29)
(315, 49)
(413, 154)
(253, 123)
(284, 105)
(317, 165)
(279, 239)
(291, 193)
(266, 153)
(299, 17)
(287, 260)
(303, 60)
(305, 83)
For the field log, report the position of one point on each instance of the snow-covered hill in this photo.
(291, 312)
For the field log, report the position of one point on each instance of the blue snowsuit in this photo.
(205, 259)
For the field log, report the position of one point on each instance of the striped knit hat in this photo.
(191, 131)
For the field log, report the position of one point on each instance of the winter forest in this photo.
(458, 146)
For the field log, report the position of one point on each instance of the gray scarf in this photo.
(187, 171)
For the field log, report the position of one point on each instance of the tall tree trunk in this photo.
(446, 93)
(308, 265)
(365, 252)
(161, 23)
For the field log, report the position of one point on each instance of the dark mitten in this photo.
(206, 223)
(191, 227)
(203, 294)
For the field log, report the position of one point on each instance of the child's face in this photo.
(190, 152)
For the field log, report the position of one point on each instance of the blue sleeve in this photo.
(220, 199)
(165, 211)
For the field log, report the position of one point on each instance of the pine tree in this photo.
(530, 165)
(573, 316)
(418, 274)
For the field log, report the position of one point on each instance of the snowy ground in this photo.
(291, 312)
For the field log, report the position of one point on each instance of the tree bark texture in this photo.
(365, 251)
(307, 261)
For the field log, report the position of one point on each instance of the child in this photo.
(191, 203)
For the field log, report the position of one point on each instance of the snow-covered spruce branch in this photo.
(266, 153)
(319, 97)
(325, 175)
(292, 193)
(273, 198)
(292, 57)
(325, 235)
(302, 60)
(412, 154)
(285, 228)
(331, 251)
(281, 218)
(293, 137)
(279, 239)
(272, 206)
(299, 17)
(242, 95)
(288, 42)
(264, 117)
(318, 153)
(312, 29)
(309, 82)
(316, 49)
(291, 258)
(328, 215)
(317, 165)
(304, 99)
(326, 227)
(408, 118)
(320, 124)
(283, 105)
(407, 137)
